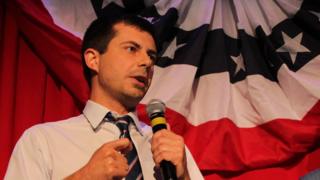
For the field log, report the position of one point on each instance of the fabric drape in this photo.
(240, 79)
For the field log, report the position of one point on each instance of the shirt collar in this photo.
(95, 113)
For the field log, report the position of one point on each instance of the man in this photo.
(118, 55)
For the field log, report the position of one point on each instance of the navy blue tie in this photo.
(123, 123)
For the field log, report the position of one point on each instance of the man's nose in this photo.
(145, 60)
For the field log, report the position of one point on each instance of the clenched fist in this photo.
(169, 146)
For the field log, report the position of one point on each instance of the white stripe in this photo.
(309, 76)
(230, 15)
(75, 16)
(139, 176)
(72, 15)
(248, 103)
(302, 88)
(267, 14)
(121, 121)
(133, 163)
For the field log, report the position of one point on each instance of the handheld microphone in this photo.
(155, 110)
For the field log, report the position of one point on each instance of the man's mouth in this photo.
(142, 80)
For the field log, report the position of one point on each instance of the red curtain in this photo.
(35, 78)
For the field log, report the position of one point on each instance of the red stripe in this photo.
(221, 146)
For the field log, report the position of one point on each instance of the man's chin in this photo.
(131, 99)
(136, 96)
(138, 92)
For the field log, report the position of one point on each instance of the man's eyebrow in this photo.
(149, 51)
(133, 43)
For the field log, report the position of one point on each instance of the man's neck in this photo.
(109, 102)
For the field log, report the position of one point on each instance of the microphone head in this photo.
(155, 106)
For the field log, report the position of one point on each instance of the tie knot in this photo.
(121, 122)
(123, 119)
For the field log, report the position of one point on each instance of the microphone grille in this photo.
(155, 106)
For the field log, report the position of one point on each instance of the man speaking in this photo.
(107, 141)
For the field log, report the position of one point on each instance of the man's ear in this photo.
(92, 57)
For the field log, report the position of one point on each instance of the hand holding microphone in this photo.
(167, 147)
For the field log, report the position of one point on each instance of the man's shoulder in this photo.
(49, 126)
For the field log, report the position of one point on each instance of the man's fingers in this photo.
(168, 153)
(164, 133)
(127, 149)
(116, 168)
(166, 138)
(166, 145)
(118, 145)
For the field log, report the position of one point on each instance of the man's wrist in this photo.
(78, 175)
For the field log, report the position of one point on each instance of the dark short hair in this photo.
(101, 31)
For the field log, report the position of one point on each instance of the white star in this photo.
(292, 45)
(239, 62)
(152, 20)
(107, 2)
(171, 49)
(316, 14)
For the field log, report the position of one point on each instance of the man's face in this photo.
(126, 68)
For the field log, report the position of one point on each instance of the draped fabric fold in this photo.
(36, 56)
(240, 79)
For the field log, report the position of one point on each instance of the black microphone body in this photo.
(155, 109)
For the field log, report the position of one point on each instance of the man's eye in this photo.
(131, 49)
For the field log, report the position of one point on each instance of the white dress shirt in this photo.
(55, 150)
